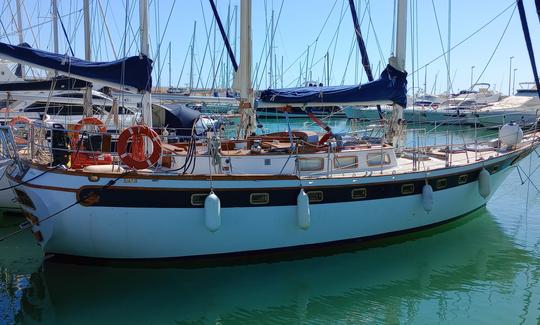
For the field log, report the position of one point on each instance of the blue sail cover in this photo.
(391, 86)
(58, 83)
(135, 71)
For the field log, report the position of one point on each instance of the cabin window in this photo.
(198, 199)
(378, 159)
(310, 164)
(315, 196)
(346, 162)
(494, 169)
(462, 179)
(359, 193)
(407, 189)
(441, 183)
(259, 198)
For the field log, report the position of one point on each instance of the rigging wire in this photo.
(106, 26)
(272, 35)
(445, 54)
(382, 57)
(320, 32)
(465, 39)
(492, 54)
(207, 46)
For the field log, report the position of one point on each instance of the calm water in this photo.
(484, 268)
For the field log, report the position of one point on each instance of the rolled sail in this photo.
(132, 74)
(391, 87)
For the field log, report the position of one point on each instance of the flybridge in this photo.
(131, 74)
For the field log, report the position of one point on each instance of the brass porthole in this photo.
(359, 193)
(315, 196)
(198, 199)
(407, 189)
(462, 179)
(259, 198)
(441, 183)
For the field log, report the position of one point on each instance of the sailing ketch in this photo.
(258, 193)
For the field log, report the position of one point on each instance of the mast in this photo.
(235, 27)
(307, 64)
(54, 15)
(192, 57)
(327, 68)
(449, 81)
(170, 83)
(88, 109)
(425, 80)
(270, 70)
(87, 48)
(20, 68)
(143, 32)
(281, 74)
(398, 62)
(227, 72)
(247, 115)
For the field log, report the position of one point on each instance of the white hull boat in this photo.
(144, 215)
(213, 196)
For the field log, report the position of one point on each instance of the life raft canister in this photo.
(81, 159)
(19, 120)
(136, 157)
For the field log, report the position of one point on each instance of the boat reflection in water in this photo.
(386, 283)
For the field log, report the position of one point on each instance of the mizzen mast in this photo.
(247, 114)
(397, 61)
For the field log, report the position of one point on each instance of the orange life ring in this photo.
(21, 120)
(86, 121)
(137, 158)
(434, 106)
(81, 159)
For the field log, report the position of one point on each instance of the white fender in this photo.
(427, 197)
(302, 210)
(212, 212)
(484, 183)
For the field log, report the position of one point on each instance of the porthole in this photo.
(359, 193)
(315, 196)
(198, 199)
(441, 183)
(462, 179)
(259, 198)
(407, 189)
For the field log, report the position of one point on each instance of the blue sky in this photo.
(301, 24)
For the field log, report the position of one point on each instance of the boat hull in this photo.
(495, 118)
(124, 226)
(8, 200)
